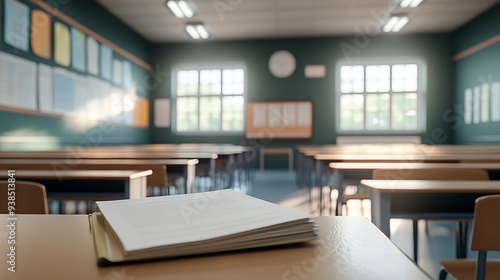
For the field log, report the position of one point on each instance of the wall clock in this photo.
(282, 64)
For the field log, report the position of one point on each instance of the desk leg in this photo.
(137, 188)
(319, 184)
(381, 211)
(190, 175)
(339, 185)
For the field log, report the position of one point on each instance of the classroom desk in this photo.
(159, 180)
(128, 153)
(320, 161)
(363, 170)
(399, 198)
(134, 181)
(349, 248)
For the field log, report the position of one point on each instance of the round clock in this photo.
(282, 64)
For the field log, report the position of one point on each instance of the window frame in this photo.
(199, 67)
(421, 94)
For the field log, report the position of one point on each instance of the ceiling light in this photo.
(181, 8)
(395, 23)
(197, 31)
(410, 3)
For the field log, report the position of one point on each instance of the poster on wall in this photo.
(64, 91)
(62, 43)
(17, 82)
(162, 112)
(485, 100)
(92, 56)
(468, 106)
(106, 62)
(41, 34)
(45, 88)
(78, 49)
(495, 102)
(16, 24)
(476, 105)
(117, 72)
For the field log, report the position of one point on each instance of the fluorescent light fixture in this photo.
(400, 24)
(181, 8)
(202, 31)
(410, 3)
(197, 31)
(395, 23)
(191, 30)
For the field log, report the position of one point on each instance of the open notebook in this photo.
(169, 226)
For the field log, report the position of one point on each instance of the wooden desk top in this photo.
(432, 186)
(78, 174)
(193, 161)
(410, 165)
(406, 157)
(96, 154)
(61, 247)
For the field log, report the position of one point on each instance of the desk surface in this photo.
(410, 165)
(61, 247)
(407, 157)
(432, 186)
(78, 174)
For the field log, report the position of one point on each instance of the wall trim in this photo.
(477, 47)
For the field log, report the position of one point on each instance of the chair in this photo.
(30, 198)
(485, 237)
(434, 174)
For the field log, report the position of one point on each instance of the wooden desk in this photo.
(399, 198)
(134, 181)
(61, 247)
(158, 178)
(363, 170)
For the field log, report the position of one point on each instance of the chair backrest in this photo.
(30, 198)
(430, 174)
(486, 227)
(485, 231)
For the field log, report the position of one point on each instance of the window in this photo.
(209, 100)
(380, 97)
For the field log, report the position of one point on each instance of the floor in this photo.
(435, 243)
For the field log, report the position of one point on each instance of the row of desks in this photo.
(314, 160)
(402, 198)
(187, 160)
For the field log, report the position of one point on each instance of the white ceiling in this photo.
(249, 19)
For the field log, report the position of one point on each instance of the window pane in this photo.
(232, 116)
(187, 114)
(233, 81)
(210, 113)
(210, 82)
(351, 115)
(377, 78)
(187, 82)
(377, 111)
(352, 79)
(404, 77)
(404, 111)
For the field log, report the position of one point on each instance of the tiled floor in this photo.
(438, 242)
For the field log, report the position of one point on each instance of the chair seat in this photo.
(466, 269)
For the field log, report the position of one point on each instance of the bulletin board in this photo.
(279, 119)
(89, 77)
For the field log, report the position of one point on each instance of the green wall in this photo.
(56, 131)
(474, 70)
(434, 49)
